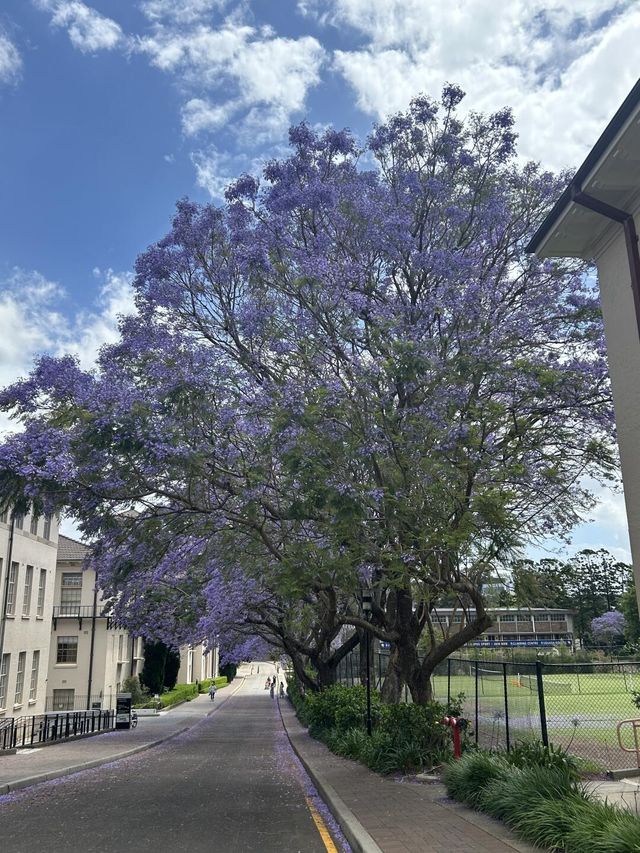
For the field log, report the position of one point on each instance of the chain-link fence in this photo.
(583, 708)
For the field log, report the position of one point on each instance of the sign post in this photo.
(123, 711)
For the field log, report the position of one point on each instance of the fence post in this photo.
(506, 705)
(448, 681)
(543, 714)
(476, 692)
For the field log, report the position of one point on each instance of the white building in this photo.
(28, 550)
(596, 219)
(197, 663)
(91, 655)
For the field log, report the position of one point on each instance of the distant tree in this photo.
(608, 627)
(153, 671)
(596, 582)
(629, 607)
(171, 667)
(541, 584)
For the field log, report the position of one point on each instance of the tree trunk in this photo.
(393, 681)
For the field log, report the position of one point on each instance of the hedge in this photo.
(404, 737)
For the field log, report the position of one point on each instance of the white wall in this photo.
(28, 632)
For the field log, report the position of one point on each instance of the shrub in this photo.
(547, 823)
(534, 753)
(603, 828)
(352, 744)
(466, 779)
(339, 707)
(138, 693)
(417, 734)
(298, 700)
(516, 792)
(229, 670)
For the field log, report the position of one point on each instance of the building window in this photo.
(28, 589)
(35, 666)
(22, 659)
(507, 617)
(4, 679)
(71, 593)
(457, 617)
(19, 520)
(34, 524)
(63, 700)
(558, 617)
(120, 646)
(42, 586)
(67, 650)
(47, 527)
(542, 617)
(4, 515)
(12, 582)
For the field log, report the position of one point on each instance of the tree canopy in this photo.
(350, 374)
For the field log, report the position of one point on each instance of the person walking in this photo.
(282, 689)
(273, 688)
(212, 691)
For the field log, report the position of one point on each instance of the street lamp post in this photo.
(367, 597)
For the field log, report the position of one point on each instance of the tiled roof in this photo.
(69, 550)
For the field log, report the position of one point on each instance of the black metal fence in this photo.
(40, 729)
(74, 702)
(585, 708)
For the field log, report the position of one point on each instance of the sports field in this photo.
(582, 709)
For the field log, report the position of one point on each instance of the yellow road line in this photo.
(321, 827)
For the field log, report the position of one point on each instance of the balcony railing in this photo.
(76, 610)
(80, 612)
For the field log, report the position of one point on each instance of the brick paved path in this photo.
(402, 817)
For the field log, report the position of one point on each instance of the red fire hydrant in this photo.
(457, 724)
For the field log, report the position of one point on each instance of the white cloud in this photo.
(563, 67)
(182, 11)
(607, 528)
(10, 60)
(88, 30)
(233, 76)
(214, 170)
(258, 79)
(32, 320)
(200, 115)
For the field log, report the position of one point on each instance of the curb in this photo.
(28, 781)
(355, 833)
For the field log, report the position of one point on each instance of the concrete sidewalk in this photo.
(38, 764)
(384, 815)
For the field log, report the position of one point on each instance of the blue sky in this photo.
(112, 110)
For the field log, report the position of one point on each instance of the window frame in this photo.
(42, 591)
(27, 594)
(64, 648)
(5, 666)
(35, 671)
(22, 665)
(12, 587)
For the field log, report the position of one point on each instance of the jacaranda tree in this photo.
(349, 375)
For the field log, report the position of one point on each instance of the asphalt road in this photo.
(231, 783)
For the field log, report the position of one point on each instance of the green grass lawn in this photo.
(582, 710)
